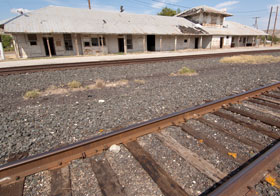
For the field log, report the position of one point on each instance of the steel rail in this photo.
(250, 175)
(17, 170)
(65, 66)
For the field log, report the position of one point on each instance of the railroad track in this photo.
(256, 111)
(66, 66)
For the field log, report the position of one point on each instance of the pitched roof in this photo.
(54, 19)
(233, 28)
(203, 9)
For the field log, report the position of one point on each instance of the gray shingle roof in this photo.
(73, 20)
(54, 19)
(233, 28)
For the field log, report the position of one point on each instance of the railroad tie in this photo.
(166, 184)
(252, 126)
(268, 104)
(192, 158)
(212, 144)
(223, 130)
(107, 179)
(15, 189)
(60, 182)
(263, 119)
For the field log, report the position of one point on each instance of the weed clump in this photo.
(74, 84)
(99, 83)
(250, 59)
(139, 81)
(186, 71)
(32, 94)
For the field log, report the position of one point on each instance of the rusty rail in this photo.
(65, 66)
(240, 183)
(15, 171)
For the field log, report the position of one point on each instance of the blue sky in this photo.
(243, 10)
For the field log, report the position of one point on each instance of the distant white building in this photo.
(1, 50)
(67, 31)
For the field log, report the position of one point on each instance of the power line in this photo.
(262, 10)
(171, 4)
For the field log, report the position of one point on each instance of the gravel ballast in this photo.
(40, 124)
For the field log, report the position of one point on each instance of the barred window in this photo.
(68, 42)
(32, 38)
(94, 41)
(129, 42)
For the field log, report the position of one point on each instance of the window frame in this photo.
(129, 45)
(68, 43)
(94, 44)
(32, 39)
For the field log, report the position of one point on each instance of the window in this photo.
(186, 41)
(68, 42)
(32, 38)
(227, 37)
(100, 42)
(87, 44)
(129, 42)
(94, 41)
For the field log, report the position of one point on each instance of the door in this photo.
(196, 42)
(221, 42)
(52, 47)
(151, 42)
(121, 44)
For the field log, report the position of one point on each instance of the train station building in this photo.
(64, 31)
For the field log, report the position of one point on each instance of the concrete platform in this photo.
(110, 57)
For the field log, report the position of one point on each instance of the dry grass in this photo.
(74, 84)
(117, 83)
(100, 83)
(250, 59)
(32, 94)
(185, 71)
(139, 81)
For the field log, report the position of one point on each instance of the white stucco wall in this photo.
(1, 52)
(216, 41)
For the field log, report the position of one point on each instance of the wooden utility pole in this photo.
(269, 19)
(273, 34)
(256, 22)
(89, 7)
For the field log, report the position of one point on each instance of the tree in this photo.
(169, 12)
(7, 42)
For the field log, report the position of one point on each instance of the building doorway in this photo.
(151, 42)
(221, 42)
(196, 42)
(121, 44)
(52, 47)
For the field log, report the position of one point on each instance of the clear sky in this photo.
(243, 10)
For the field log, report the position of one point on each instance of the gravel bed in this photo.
(83, 181)
(189, 178)
(38, 184)
(240, 130)
(231, 144)
(226, 165)
(38, 125)
(131, 175)
(256, 122)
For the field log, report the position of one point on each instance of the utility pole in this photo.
(89, 4)
(273, 34)
(256, 22)
(269, 19)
